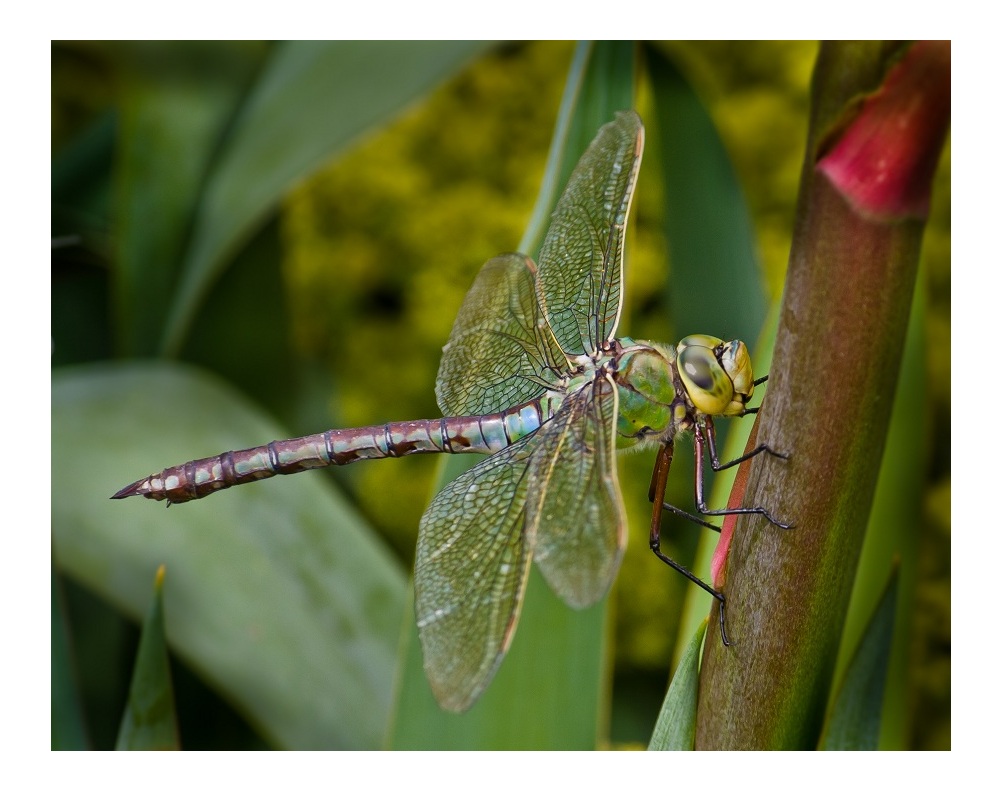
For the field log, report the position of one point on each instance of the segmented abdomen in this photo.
(485, 434)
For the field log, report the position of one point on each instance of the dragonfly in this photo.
(534, 377)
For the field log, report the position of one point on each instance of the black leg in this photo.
(692, 518)
(707, 433)
(657, 487)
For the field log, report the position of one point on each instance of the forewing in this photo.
(501, 351)
(580, 263)
(471, 569)
(573, 497)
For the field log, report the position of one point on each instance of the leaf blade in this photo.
(856, 715)
(675, 726)
(150, 718)
(296, 118)
(279, 594)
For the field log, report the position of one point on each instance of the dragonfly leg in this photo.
(654, 544)
(658, 485)
(690, 517)
(707, 433)
(657, 488)
(755, 409)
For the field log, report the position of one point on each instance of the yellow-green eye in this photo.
(735, 360)
(717, 375)
(704, 341)
(708, 386)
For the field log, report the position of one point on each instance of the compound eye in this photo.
(707, 385)
(704, 341)
(735, 360)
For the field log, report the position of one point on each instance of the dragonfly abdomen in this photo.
(474, 434)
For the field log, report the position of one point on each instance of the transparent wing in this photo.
(501, 350)
(470, 573)
(573, 497)
(580, 263)
(556, 489)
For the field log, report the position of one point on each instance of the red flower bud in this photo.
(884, 159)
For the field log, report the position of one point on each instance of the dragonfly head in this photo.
(717, 374)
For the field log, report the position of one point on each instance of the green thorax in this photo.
(650, 399)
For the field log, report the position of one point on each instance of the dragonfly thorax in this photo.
(647, 391)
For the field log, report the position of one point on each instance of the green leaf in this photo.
(177, 100)
(675, 726)
(150, 720)
(894, 531)
(714, 272)
(279, 595)
(587, 103)
(856, 715)
(69, 732)
(546, 695)
(80, 184)
(313, 100)
(257, 357)
(555, 175)
(551, 690)
(81, 187)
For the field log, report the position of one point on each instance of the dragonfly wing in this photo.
(471, 569)
(580, 263)
(573, 497)
(501, 351)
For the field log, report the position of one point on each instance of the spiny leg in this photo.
(701, 434)
(714, 455)
(658, 485)
(760, 448)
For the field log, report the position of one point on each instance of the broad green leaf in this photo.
(856, 715)
(551, 691)
(607, 87)
(545, 695)
(279, 596)
(313, 99)
(69, 732)
(150, 719)
(675, 725)
(177, 101)
(556, 174)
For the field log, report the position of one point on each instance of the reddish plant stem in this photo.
(848, 293)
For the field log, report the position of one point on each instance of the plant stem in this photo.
(848, 294)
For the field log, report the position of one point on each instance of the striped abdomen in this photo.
(486, 434)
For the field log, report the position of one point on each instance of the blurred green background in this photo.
(343, 291)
